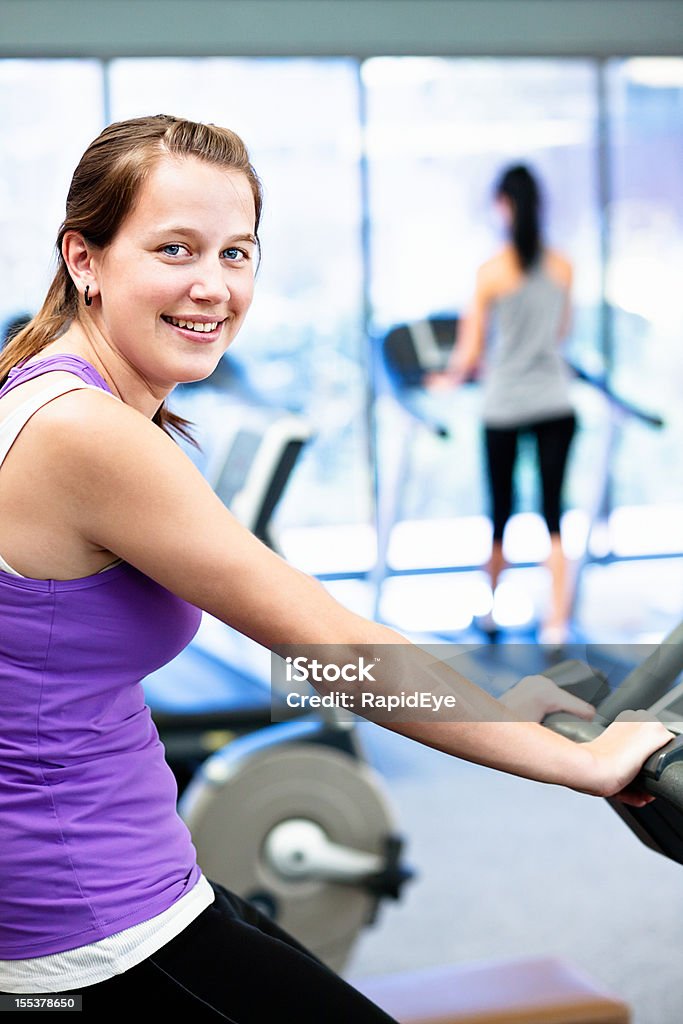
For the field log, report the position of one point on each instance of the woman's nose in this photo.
(210, 284)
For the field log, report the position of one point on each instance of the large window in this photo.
(378, 178)
(645, 257)
(302, 347)
(42, 134)
(438, 133)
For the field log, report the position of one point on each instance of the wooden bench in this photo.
(524, 991)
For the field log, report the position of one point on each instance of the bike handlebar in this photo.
(669, 786)
(658, 824)
(662, 773)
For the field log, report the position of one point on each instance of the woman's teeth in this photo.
(192, 325)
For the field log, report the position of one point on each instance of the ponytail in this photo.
(54, 317)
(518, 185)
(57, 312)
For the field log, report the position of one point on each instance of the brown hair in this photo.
(103, 191)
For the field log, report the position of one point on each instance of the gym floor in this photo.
(507, 867)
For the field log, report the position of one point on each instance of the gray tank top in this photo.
(525, 378)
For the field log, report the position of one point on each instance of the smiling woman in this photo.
(189, 285)
(112, 545)
(135, 183)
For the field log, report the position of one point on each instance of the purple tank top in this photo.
(90, 840)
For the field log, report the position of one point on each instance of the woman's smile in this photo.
(195, 328)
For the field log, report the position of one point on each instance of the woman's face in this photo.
(504, 211)
(177, 280)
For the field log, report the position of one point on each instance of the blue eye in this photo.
(235, 255)
(173, 249)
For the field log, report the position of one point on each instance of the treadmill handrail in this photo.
(622, 404)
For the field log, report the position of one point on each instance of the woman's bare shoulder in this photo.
(496, 271)
(497, 264)
(558, 266)
(86, 440)
(499, 274)
(88, 428)
(83, 412)
(80, 446)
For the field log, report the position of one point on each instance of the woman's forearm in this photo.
(473, 725)
(519, 748)
(436, 705)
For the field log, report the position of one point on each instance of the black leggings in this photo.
(232, 963)
(553, 438)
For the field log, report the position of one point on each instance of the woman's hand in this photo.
(442, 380)
(534, 697)
(620, 752)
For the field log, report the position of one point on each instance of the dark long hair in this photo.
(104, 189)
(519, 186)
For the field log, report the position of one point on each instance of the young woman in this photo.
(112, 543)
(518, 318)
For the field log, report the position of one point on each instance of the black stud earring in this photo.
(86, 297)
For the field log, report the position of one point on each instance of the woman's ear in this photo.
(80, 261)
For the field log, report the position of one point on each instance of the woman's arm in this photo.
(471, 335)
(125, 486)
(561, 270)
(604, 767)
